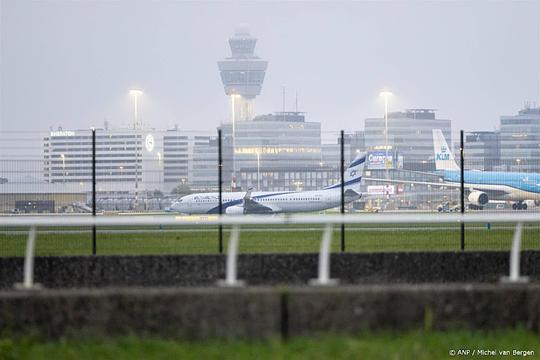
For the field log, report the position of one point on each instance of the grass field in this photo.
(395, 345)
(267, 239)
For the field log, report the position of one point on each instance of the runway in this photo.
(269, 230)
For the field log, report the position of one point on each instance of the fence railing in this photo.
(33, 222)
(102, 171)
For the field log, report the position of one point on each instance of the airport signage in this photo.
(62, 133)
(379, 160)
(149, 142)
(443, 155)
(381, 189)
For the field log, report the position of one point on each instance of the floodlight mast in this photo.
(386, 94)
(135, 94)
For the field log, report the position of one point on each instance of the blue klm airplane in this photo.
(481, 186)
(484, 186)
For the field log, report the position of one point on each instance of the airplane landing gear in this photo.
(475, 207)
(520, 205)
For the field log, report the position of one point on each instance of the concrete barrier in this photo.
(258, 312)
(456, 306)
(267, 269)
(194, 313)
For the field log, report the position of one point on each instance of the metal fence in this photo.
(114, 173)
(238, 221)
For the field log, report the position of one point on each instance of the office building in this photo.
(126, 160)
(175, 159)
(520, 140)
(482, 150)
(190, 159)
(273, 146)
(410, 134)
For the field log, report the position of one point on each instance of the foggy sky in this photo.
(71, 63)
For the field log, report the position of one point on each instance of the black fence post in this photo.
(220, 185)
(342, 172)
(462, 188)
(94, 245)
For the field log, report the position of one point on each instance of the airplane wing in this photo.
(487, 188)
(253, 207)
(432, 183)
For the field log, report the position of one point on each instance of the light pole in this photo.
(159, 168)
(386, 94)
(233, 118)
(258, 171)
(63, 157)
(135, 93)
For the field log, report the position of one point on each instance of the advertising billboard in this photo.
(381, 189)
(377, 160)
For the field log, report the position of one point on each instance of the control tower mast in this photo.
(242, 74)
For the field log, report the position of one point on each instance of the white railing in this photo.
(148, 220)
(33, 222)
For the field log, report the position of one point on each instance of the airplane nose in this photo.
(178, 206)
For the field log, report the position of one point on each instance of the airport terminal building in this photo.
(126, 160)
(482, 150)
(278, 152)
(410, 134)
(190, 159)
(520, 140)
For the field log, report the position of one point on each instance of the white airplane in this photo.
(81, 207)
(276, 202)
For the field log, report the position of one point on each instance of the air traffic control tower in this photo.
(242, 74)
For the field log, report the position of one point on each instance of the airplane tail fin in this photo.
(444, 159)
(353, 174)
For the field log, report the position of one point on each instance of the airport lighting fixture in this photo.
(160, 169)
(63, 157)
(135, 94)
(258, 170)
(386, 94)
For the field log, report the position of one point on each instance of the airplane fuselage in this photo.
(278, 202)
(511, 186)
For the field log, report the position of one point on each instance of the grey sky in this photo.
(71, 63)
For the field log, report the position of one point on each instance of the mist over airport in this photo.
(260, 179)
(71, 64)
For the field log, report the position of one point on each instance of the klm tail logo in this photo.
(444, 155)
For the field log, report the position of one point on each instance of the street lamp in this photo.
(258, 170)
(135, 93)
(233, 118)
(159, 168)
(386, 94)
(63, 157)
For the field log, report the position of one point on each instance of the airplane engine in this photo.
(537, 202)
(235, 210)
(478, 198)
